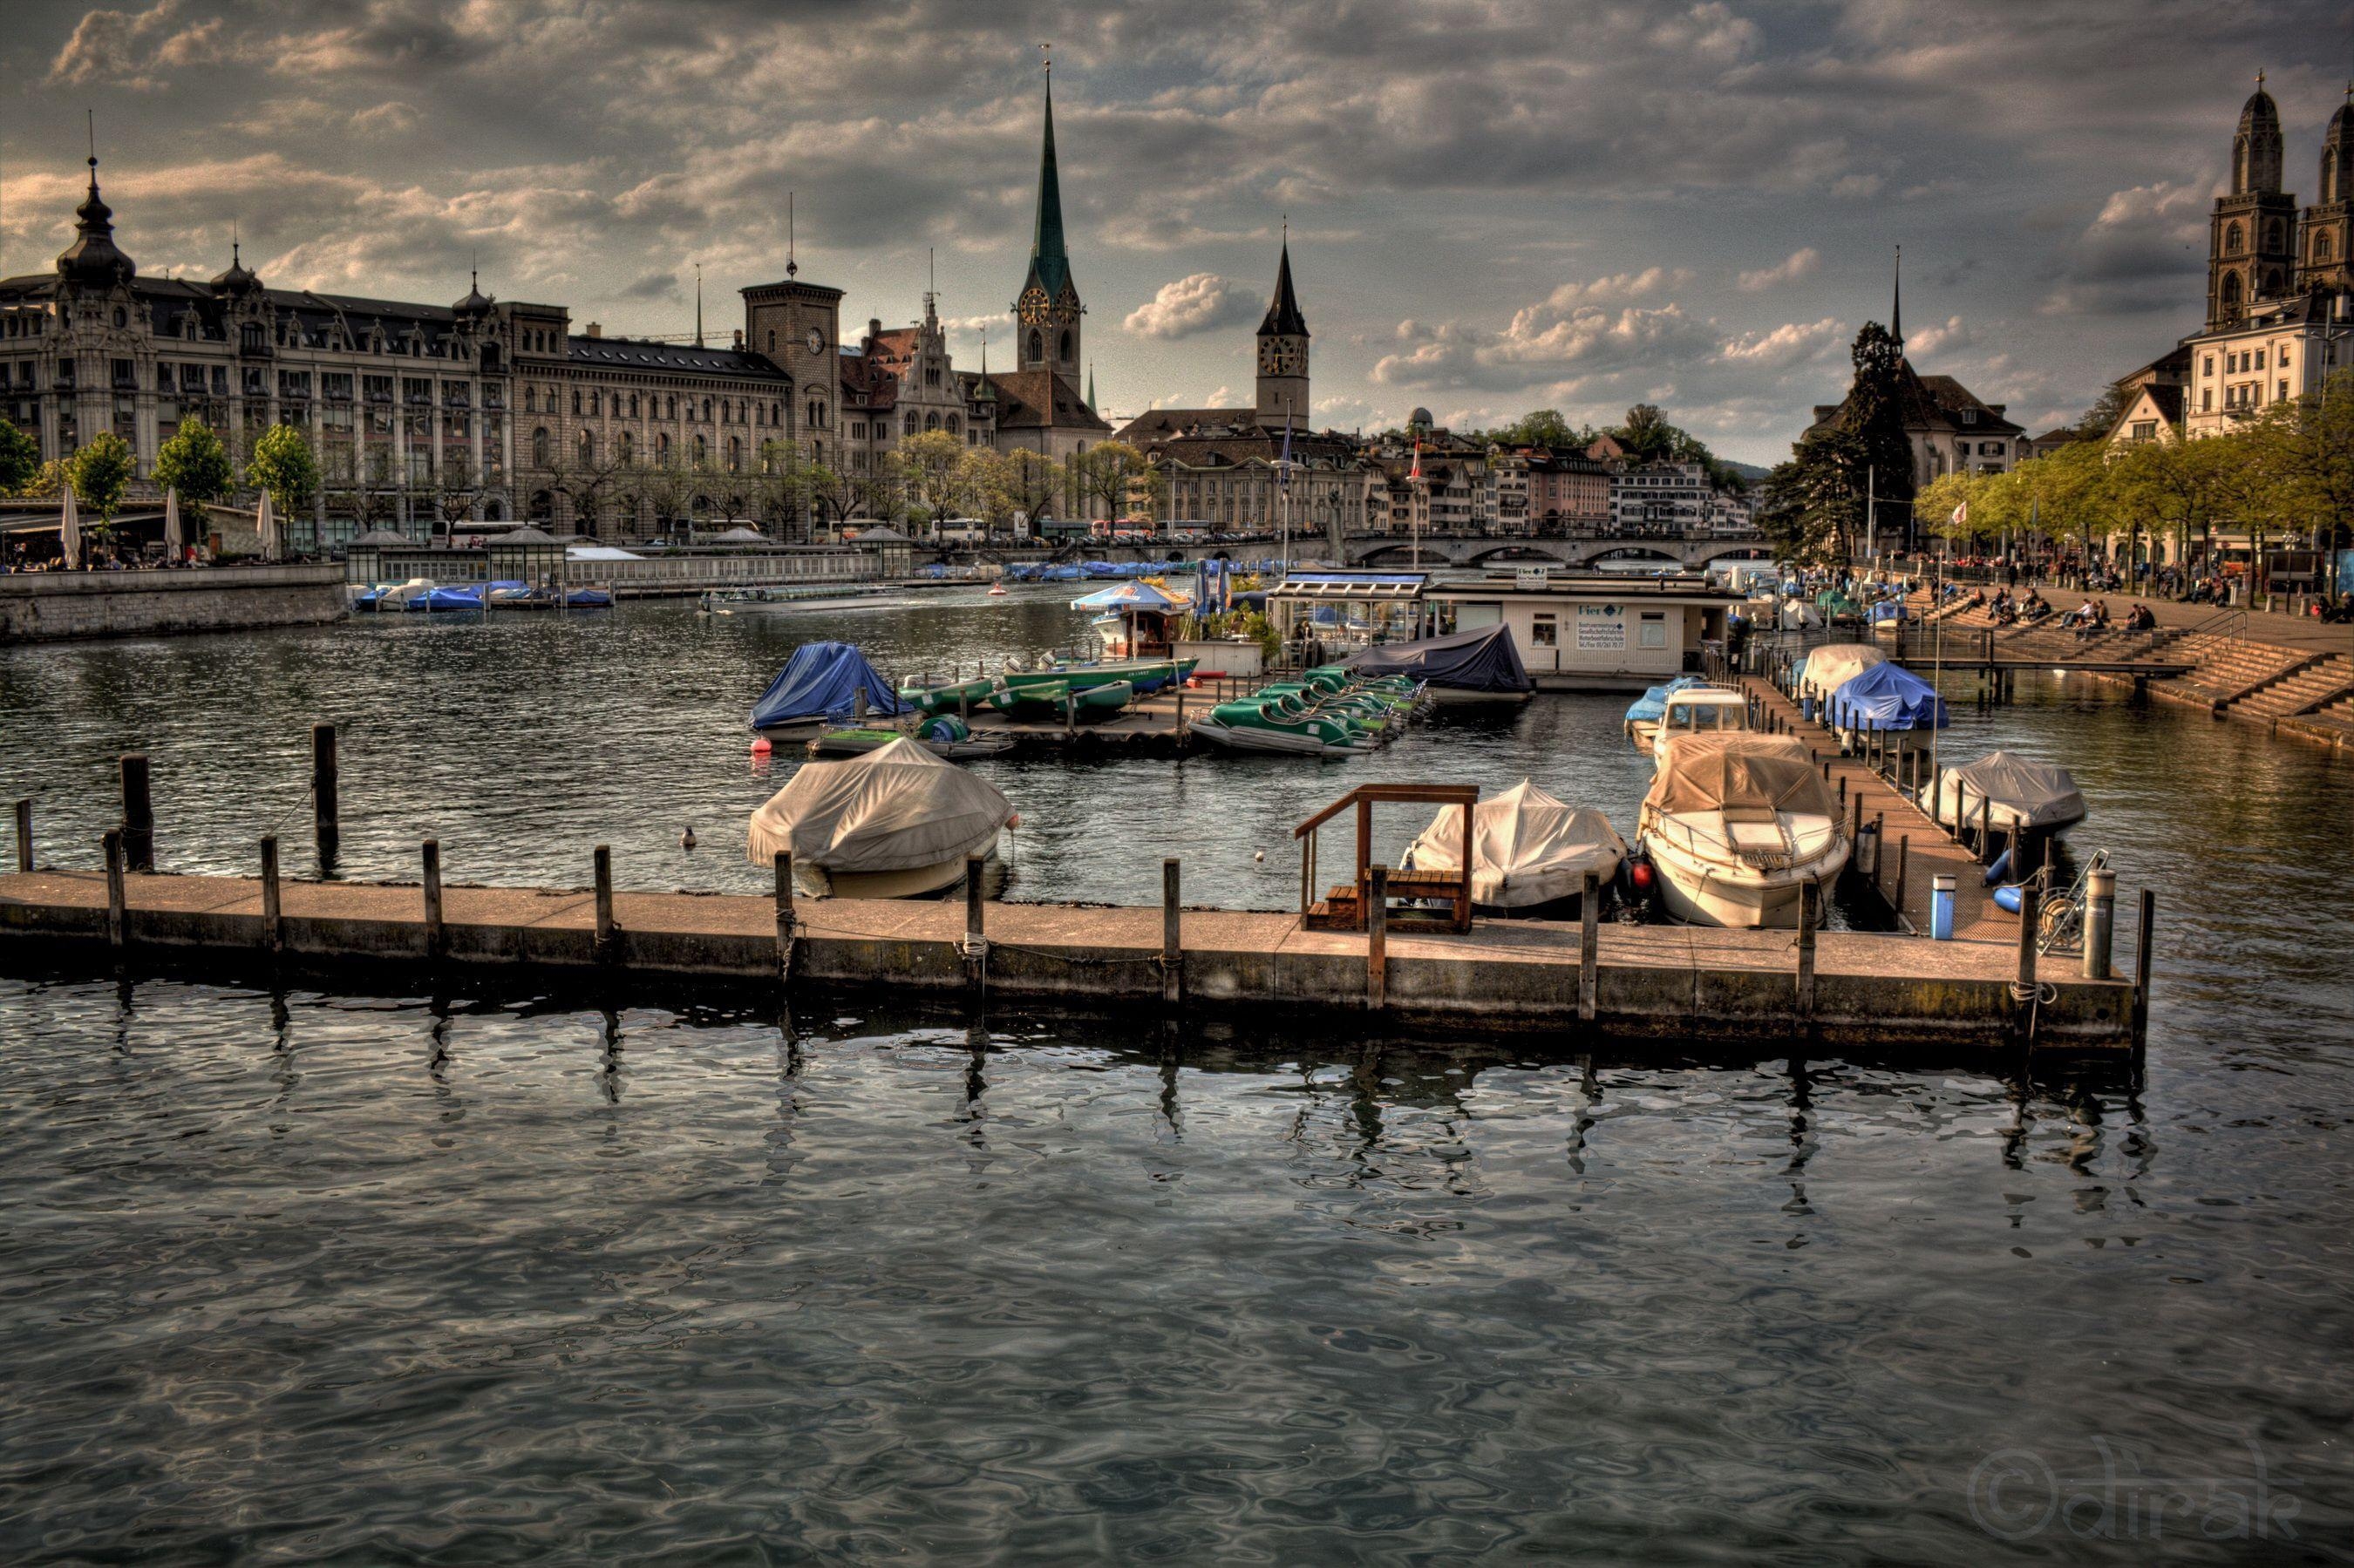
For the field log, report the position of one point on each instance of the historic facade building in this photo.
(426, 416)
(1951, 429)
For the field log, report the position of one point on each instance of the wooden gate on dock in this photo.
(1343, 908)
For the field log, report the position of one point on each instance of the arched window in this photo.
(2321, 247)
(953, 422)
(777, 413)
(661, 450)
(628, 449)
(735, 454)
(587, 448)
(2273, 235)
(759, 416)
(596, 403)
(1065, 349)
(2231, 238)
(1037, 346)
(531, 400)
(772, 340)
(539, 447)
(707, 411)
(701, 453)
(669, 406)
(931, 421)
(908, 423)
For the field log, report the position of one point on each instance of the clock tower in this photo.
(1046, 315)
(1283, 353)
(797, 326)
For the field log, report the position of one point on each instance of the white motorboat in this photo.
(1530, 853)
(1696, 710)
(897, 823)
(1737, 825)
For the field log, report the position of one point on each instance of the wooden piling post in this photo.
(1806, 995)
(1986, 828)
(976, 939)
(25, 834)
(138, 813)
(431, 851)
(1172, 936)
(1377, 936)
(273, 919)
(325, 775)
(1903, 854)
(1589, 949)
(2142, 939)
(2023, 990)
(604, 903)
(117, 898)
(1879, 843)
(784, 868)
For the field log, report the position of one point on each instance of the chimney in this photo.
(739, 339)
(594, 329)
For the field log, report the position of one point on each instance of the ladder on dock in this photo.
(1345, 907)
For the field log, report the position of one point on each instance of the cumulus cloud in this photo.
(1201, 303)
(1799, 264)
(1785, 345)
(1618, 287)
(130, 49)
(1947, 335)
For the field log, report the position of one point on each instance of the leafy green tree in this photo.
(2308, 443)
(284, 464)
(196, 463)
(1810, 507)
(48, 482)
(2177, 486)
(931, 467)
(20, 460)
(1117, 476)
(1544, 428)
(100, 471)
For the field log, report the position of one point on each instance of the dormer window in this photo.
(1969, 416)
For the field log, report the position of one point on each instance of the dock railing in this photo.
(1347, 908)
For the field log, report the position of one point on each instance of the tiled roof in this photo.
(1041, 400)
(639, 354)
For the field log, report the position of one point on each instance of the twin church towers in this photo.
(2259, 246)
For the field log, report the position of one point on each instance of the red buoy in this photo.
(1642, 877)
(760, 746)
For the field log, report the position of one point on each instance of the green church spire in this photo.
(1048, 263)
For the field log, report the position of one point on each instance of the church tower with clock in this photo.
(1283, 354)
(1046, 316)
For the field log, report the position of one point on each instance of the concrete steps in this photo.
(2315, 685)
(2225, 668)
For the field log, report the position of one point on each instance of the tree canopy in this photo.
(283, 465)
(196, 463)
(100, 471)
(20, 460)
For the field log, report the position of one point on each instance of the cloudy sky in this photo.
(1495, 205)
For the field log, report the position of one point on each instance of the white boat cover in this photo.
(1834, 665)
(2022, 792)
(1527, 847)
(899, 808)
(1740, 773)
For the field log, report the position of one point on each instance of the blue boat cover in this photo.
(1483, 659)
(1890, 609)
(1653, 703)
(821, 680)
(1887, 696)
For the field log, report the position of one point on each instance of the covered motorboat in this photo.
(1885, 698)
(897, 823)
(1738, 826)
(1483, 664)
(1690, 706)
(1644, 713)
(1827, 668)
(2018, 795)
(1531, 853)
(823, 682)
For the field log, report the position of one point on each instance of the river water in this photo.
(293, 1276)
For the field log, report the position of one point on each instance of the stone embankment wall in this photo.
(41, 607)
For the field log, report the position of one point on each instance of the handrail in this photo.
(1406, 794)
(2234, 618)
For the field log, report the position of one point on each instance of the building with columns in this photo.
(422, 415)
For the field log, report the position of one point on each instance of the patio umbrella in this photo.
(1127, 598)
(172, 541)
(265, 523)
(69, 529)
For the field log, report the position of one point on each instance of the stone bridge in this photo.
(1398, 552)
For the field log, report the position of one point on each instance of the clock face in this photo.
(1033, 307)
(816, 341)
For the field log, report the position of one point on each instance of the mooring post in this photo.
(138, 813)
(604, 948)
(858, 706)
(1854, 823)
(1986, 829)
(1173, 940)
(1589, 949)
(2141, 966)
(324, 775)
(273, 923)
(1878, 844)
(2023, 990)
(117, 911)
(784, 865)
(25, 834)
(1842, 785)
(431, 852)
(976, 939)
(1377, 935)
(1806, 949)
(2100, 921)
